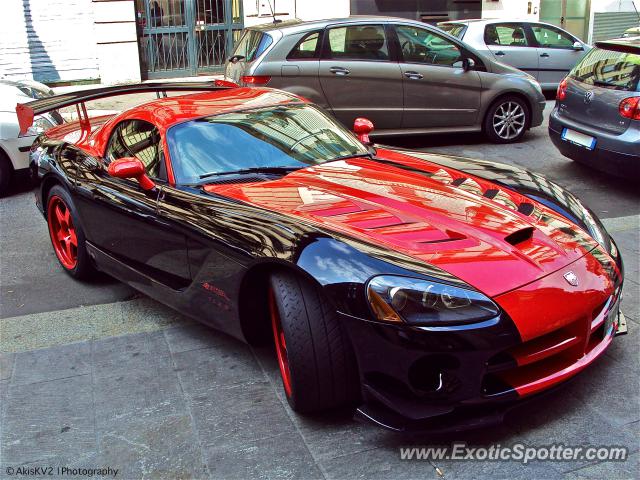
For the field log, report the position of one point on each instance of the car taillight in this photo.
(630, 108)
(562, 90)
(255, 79)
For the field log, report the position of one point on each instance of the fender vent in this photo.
(519, 236)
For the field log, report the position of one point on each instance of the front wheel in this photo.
(317, 364)
(67, 236)
(507, 120)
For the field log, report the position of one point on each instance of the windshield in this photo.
(455, 29)
(294, 136)
(609, 69)
(252, 44)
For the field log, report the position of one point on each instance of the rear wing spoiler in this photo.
(27, 111)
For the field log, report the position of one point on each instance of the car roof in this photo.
(488, 21)
(165, 112)
(298, 25)
(627, 44)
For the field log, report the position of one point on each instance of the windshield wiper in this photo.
(354, 155)
(244, 171)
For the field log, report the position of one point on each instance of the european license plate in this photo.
(578, 138)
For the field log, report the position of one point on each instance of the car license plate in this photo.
(578, 138)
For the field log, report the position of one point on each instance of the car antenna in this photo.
(273, 11)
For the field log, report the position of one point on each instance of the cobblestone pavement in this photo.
(95, 375)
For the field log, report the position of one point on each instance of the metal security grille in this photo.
(608, 25)
(186, 37)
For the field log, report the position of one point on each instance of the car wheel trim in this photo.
(281, 344)
(62, 232)
(509, 120)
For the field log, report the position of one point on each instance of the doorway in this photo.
(180, 38)
(570, 15)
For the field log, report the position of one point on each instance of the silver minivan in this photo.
(404, 76)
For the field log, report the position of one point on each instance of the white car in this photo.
(14, 148)
(540, 49)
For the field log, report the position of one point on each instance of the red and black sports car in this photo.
(433, 292)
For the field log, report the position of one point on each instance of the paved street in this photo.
(96, 375)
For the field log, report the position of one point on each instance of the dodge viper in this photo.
(428, 291)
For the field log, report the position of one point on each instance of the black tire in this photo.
(323, 370)
(82, 268)
(6, 172)
(507, 102)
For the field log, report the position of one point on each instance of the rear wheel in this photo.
(315, 358)
(507, 120)
(67, 236)
(6, 171)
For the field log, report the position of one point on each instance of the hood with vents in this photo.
(492, 238)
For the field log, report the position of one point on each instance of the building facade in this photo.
(117, 41)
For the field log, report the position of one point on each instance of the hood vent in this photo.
(492, 192)
(526, 208)
(519, 236)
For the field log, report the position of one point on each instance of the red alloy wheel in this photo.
(62, 232)
(281, 344)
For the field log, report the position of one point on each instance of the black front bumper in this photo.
(430, 379)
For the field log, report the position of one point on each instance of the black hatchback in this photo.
(596, 120)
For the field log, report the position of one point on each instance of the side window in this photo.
(307, 47)
(359, 42)
(506, 35)
(549, 37)
(423, 46)
(140, 139)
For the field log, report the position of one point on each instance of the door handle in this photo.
(339, 71)
(499, 53)
(545, 55)
(413, 75)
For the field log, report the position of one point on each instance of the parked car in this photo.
(431, 291)
(405, 76)
(543, 50)
(596, 120)
(14, 148)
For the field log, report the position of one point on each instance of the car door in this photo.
(438, 91)
(358, 76)
(557, 55)
(299, 73)
(120, 217)
(510, 44)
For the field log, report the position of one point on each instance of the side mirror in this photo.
(130, 167)
(578, 46)
(468, 64)
(362, 127)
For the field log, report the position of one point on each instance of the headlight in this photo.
(422, 302)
